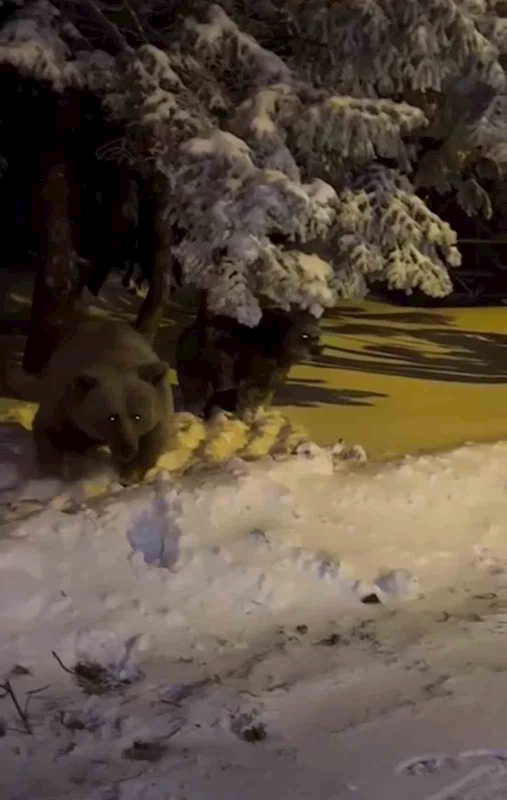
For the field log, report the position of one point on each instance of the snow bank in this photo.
(120, 608)
(235, 552)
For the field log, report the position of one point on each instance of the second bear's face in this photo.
(117, 410)
(302, 340)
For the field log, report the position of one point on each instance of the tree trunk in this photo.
(55, 291)
(153, 306)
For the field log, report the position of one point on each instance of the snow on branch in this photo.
(220, 42)
(292, 278)
(38, 42)
(344, 129)
(149, 91)
(159, 110)
(492, 134)
(388, 234)
(439, 55)
(241, 131)
(493, 27)
(230, 208)
(473, 199)
(30, 42)
(379, 47)
(292, 133)
(260, 121)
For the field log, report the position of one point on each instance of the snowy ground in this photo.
(211, 639)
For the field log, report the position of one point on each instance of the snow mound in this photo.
(151, 615)
(217, 552)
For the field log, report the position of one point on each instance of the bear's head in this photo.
(302, 338)
(295, 336)
(116, 409)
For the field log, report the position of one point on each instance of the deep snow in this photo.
(237, 656)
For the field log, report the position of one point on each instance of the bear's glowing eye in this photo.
(304, 336)
(136, 417)
(113, 418)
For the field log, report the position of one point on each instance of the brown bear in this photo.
(224, 365)
(104, 385)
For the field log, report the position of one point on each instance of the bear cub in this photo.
(104, 385)
(224, 365)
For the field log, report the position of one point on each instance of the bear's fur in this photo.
(104, 385)
(224, 365)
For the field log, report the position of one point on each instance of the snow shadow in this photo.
(310, 392)
(155, 534)
(414, 344)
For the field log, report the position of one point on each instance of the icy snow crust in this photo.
(173, 589)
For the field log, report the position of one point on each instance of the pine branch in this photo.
(135, 19)
(104, 23)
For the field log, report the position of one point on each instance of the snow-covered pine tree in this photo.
(289, 138)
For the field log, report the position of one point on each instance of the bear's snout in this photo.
(316, 349)
(125, 451)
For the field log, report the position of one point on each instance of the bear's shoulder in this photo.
(98, 343)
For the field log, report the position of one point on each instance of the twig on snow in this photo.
(60, 662)
(31, 694)
(6, 687)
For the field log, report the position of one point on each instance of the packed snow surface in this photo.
(278, 629)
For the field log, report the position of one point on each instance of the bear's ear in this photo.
(85, 382)
(154, 373)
